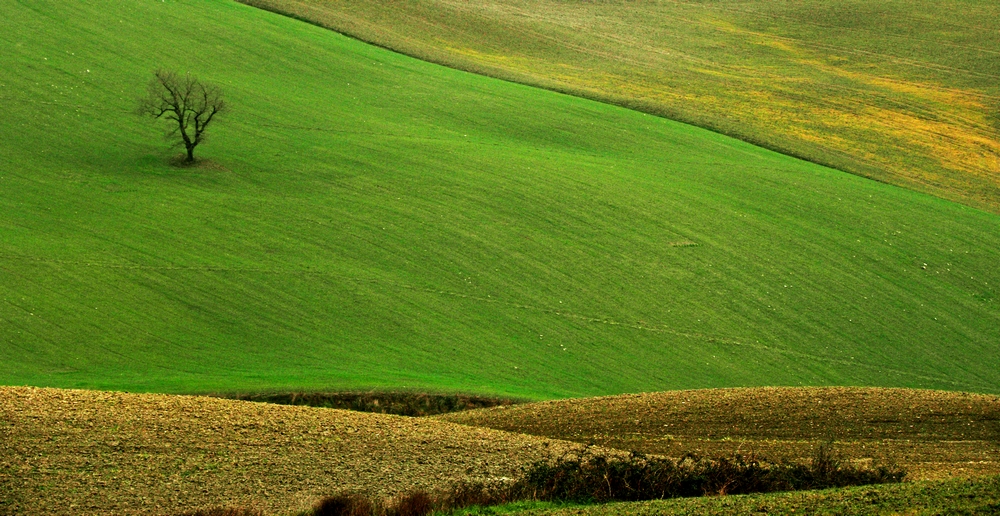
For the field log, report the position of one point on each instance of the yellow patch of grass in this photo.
(959, 98)
(717, 66)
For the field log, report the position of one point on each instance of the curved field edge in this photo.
(368, 220)
(92, 452)
(954, 496)
(121, 453)
(900, 92)
(416, 404)
(931, 434)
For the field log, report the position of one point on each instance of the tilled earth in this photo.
(932, 434)
(90, 452)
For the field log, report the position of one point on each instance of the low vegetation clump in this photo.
(640, 477)
(396, 403)
(592, 478)
(344, 504)
(931, 434)
(225, 511)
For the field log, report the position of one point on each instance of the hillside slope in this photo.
(365, 219)
(119, 453)
(931, 434)
(901, 91)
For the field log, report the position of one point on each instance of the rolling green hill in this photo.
(364, 219)
(904, 91)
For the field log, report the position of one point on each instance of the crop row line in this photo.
(680, 333)
(371, 133)
(714, 339)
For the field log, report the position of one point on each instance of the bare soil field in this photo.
(89, 452)
(980, 495)
(932, 434)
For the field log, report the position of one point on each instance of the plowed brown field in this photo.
(87, 452)
(932, 434)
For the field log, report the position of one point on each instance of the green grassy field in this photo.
(369, 220)
(904, 91)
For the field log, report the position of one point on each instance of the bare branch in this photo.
(186, 102)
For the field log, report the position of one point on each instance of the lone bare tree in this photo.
(188, 103)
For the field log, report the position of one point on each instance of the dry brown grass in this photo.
(931, 434)
(87, 452)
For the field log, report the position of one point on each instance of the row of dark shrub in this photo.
(639, 477)
(398, 403)
(592, 478)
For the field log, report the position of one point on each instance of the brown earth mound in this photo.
(931, 434)
(87, 452)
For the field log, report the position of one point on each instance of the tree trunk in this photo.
(190, 151)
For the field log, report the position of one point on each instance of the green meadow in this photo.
(363, 219)
(903, 91)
